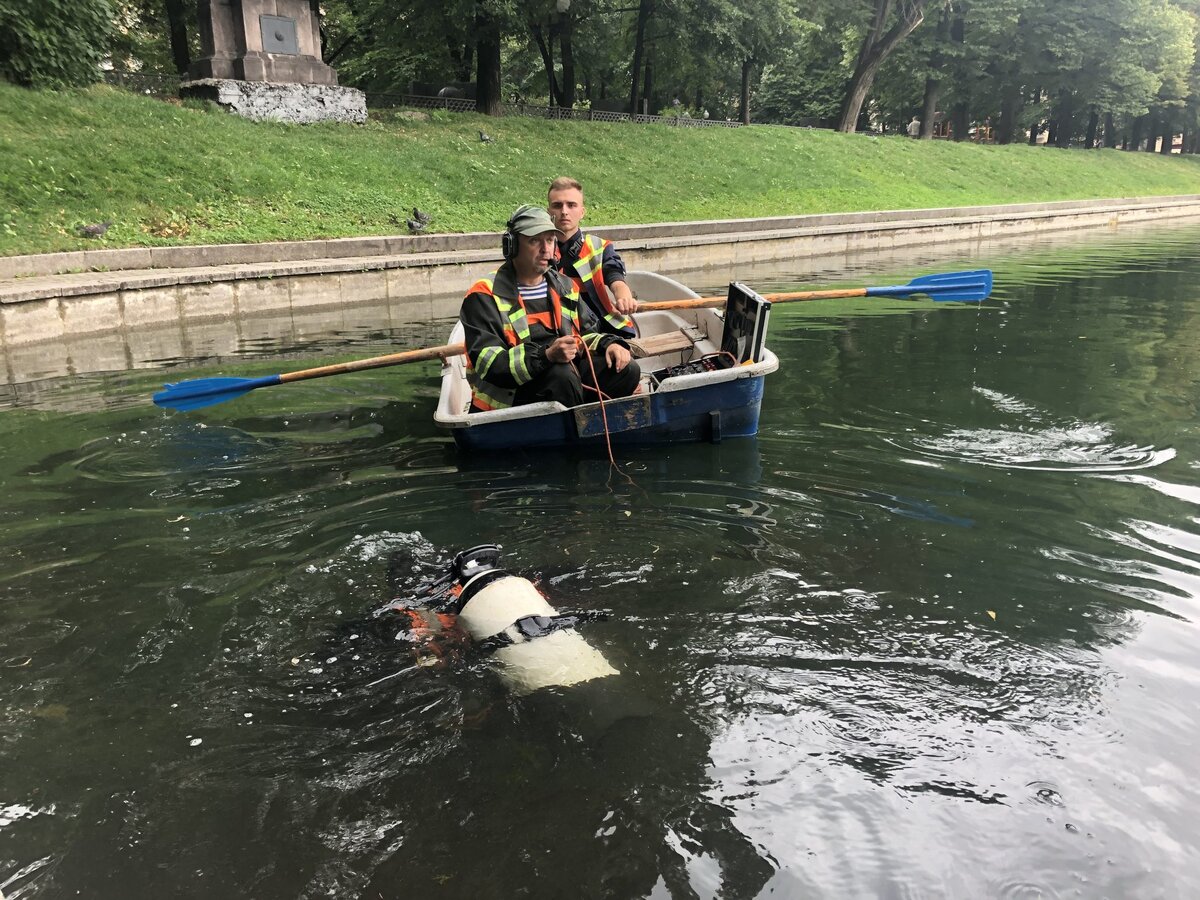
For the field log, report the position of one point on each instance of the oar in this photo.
(200, 392)
(965, 287)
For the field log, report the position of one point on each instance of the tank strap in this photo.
(528, 628)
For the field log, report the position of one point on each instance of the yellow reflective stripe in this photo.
(493, 398)
(487, 356)
(618, 320)
(592, 340)
(516, 364)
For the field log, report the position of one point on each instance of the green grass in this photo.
(171, 174)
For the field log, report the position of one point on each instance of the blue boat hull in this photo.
(710, 412)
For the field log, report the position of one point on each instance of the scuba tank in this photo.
(505, 615)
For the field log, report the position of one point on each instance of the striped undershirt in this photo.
(535, 292)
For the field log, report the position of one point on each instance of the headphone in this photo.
(508, 240)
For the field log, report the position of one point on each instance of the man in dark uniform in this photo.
(590, 261)
(527, 338)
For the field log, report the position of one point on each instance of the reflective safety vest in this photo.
(564, 310)
(589, 268)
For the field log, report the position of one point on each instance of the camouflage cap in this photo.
(532, 220)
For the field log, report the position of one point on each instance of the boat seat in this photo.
(658, 344)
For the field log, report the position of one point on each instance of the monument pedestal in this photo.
(262, 59)
(298, 103)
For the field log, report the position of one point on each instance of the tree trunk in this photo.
(645, 11)
(933, 89)
(876, 47)
(1010, 98)
(933, 83)
(1035, 131)
(1064, 115)
(1052, 133)
(960, 121)
(648, 85)
(487, 55)
(177, 23)
(566, 32)
(547, 51)
(960, 113)
(1152, 133)
(1135, 139)
(1110, 132)
(747, 71)
(1168, 140)
(1089, 141)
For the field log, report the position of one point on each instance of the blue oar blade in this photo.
(965, 287)
(200, 392)
(972, 287)
(947, 277)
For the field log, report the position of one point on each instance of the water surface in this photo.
(931, 634)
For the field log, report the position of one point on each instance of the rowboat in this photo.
(701, 381)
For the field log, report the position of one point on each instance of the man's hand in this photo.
(623, 300)
(563, 350)
(626, 306)
(618, 357)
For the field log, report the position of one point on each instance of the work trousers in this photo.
(573, 384)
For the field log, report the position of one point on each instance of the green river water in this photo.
(931, 634)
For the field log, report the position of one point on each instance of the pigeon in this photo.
(485, 138)
(94, 231)
(415, 227)
(422, 217)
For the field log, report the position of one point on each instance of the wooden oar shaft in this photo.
(377, 362)
(702, 302)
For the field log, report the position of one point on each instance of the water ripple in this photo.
(1066, 446)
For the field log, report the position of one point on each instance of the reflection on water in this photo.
(931, 634)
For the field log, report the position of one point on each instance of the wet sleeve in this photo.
(491, 357)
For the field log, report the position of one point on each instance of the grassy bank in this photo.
(168, 174)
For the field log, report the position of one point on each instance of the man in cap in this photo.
(528, 339)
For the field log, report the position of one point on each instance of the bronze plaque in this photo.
(279, 35)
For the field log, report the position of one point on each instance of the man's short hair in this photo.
(563, 183)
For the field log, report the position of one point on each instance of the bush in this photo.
(53, 43)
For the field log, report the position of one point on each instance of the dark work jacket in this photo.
(498, 354)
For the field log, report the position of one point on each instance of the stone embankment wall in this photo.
(68, 296)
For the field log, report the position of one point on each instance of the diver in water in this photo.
(477, 603)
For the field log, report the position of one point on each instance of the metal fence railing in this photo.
(151, 84)
(538, 111)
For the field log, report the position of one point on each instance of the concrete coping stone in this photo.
(205, 255)
(238, 262)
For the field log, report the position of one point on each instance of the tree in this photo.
(53, 43)
(644, 13)
(805, 83)
(151, 36)
(382, 46)
(487, 55)
(891, 22)
(177, 19)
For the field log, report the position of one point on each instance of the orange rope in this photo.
(583, 348)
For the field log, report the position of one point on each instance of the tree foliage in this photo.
(1085, 72)
(53, 43)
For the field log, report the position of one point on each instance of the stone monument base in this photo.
(297, 103)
